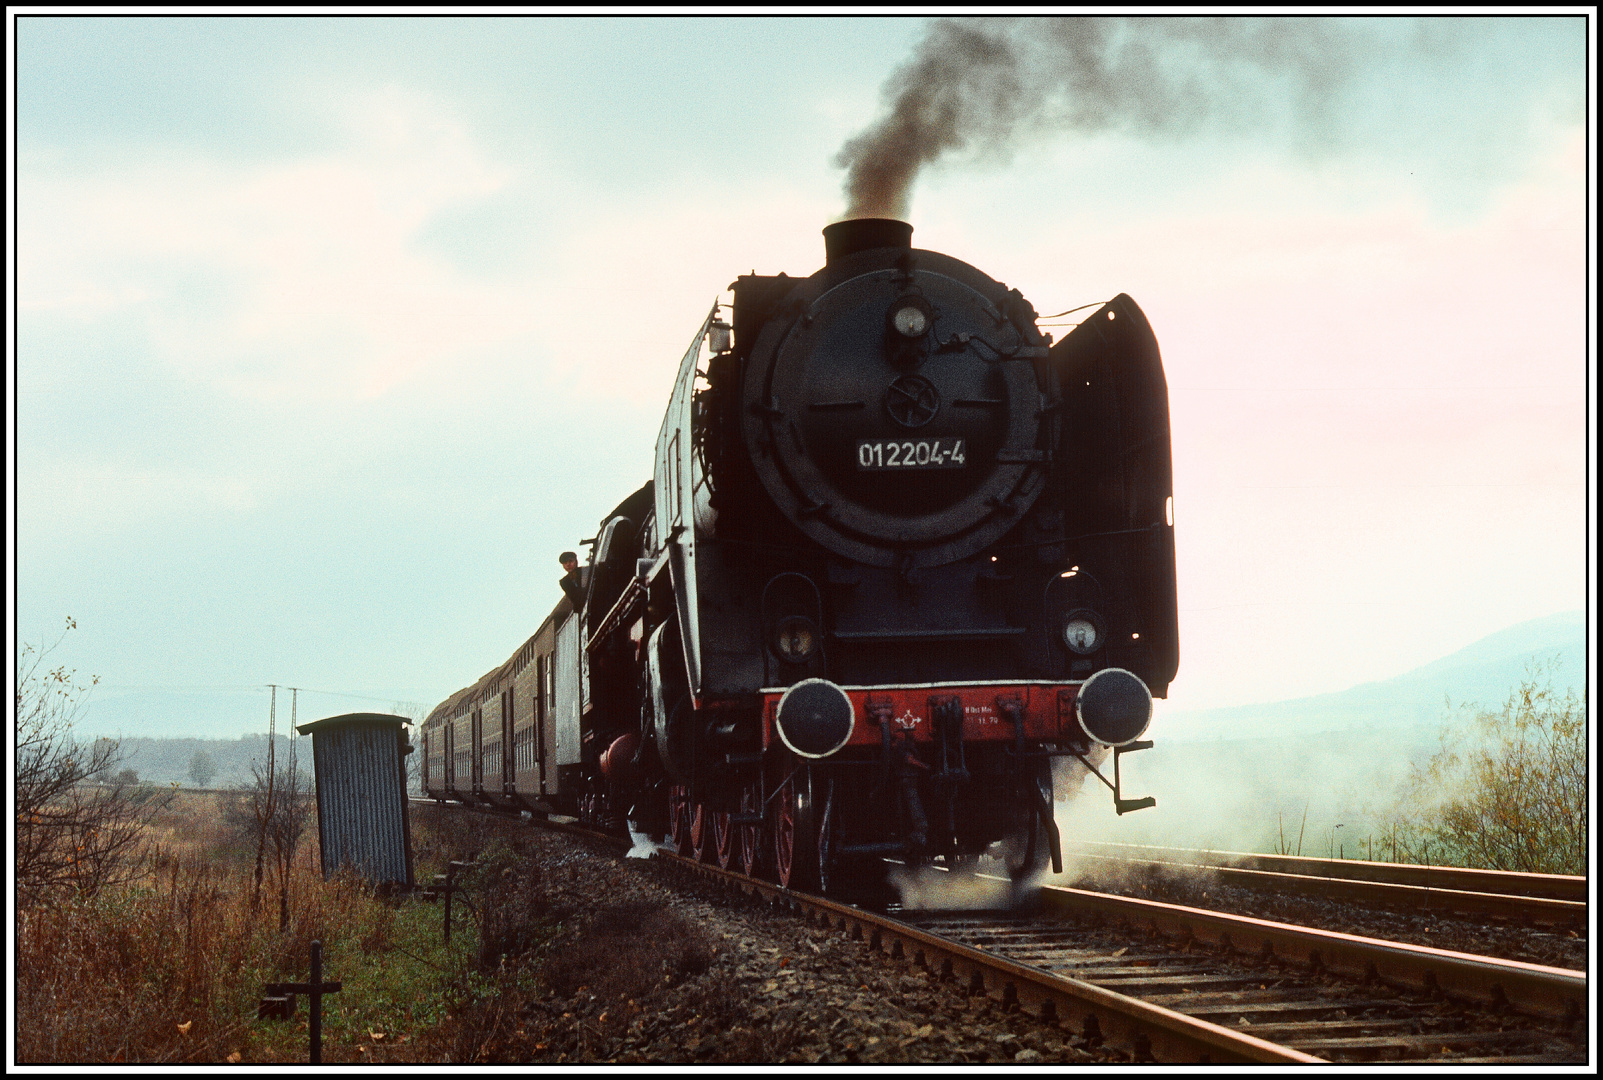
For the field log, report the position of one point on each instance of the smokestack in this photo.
(863, 234)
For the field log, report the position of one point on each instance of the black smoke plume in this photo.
(981, 84)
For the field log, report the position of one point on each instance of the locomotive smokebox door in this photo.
(893, 403)
(362, 819)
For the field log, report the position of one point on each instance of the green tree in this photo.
(202, 768)
(1508, 792)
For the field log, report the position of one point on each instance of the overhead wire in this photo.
(246, 688)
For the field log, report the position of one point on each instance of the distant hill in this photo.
(1484, 672)
(166, 761)
(205, 714)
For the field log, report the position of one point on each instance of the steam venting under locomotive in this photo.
(899, 555)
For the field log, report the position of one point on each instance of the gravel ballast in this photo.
(643, 961)
(775, 989)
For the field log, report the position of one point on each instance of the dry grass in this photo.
(196, 825)
(169, 968)
(152, 973)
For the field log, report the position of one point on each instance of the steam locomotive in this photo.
(902, 560)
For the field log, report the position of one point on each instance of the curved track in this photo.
(1527, 899)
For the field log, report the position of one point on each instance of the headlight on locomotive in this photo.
(1083, 632)
(910, 316)
(815, 718)
(1114, 707)
(795, 639)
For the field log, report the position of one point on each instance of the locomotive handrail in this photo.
(632, 593)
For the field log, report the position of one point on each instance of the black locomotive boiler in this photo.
(900, 553)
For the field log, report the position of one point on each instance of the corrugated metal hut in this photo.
(362, 819)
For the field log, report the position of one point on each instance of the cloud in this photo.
(295, 277)
(420, 320)
(348, 275)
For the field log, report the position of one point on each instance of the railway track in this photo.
(1168, 983)
(1174, 984)
(1527, 899)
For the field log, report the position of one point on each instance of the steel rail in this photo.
(1554, 993)
(1526, 909)
(1144, 1030)
(1455, 878)
(1152, 1032)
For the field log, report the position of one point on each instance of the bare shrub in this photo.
(1507, 790)
(73, 836)
(415, 713)
(276, 811)
(507, 897)
(286, 829)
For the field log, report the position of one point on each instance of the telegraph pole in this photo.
(294, 735)
(264, 813)
(272, 747)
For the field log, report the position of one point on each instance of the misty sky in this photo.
(334, 332)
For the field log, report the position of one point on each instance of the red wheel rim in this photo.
(785, 834)
(698, 833)
(723, 838)
(679, 818)
(748, 836)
